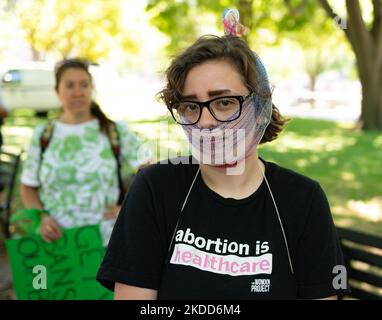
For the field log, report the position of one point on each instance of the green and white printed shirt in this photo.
(77, 177)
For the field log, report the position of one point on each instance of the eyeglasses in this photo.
(223, 109)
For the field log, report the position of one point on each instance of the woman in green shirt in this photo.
(76, 178)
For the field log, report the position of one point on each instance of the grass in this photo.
(348, 164)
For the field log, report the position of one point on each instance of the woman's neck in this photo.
(76, 118)
(229, 184)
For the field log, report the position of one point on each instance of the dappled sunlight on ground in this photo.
(326, 142)
(349, 179)
(371, 209)
(378, 142)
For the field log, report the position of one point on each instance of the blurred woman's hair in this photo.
(77, 63)
(227, 48)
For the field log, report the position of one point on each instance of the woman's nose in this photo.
(206, 120)
(78, 91)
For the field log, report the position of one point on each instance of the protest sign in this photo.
(61, 270)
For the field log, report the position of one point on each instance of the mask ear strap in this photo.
(262, 76)
(262, 99)
(181, 210)
(280, 222)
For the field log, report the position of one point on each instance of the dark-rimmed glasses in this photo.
(223, 109)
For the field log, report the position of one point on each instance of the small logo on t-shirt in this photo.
(260, 285)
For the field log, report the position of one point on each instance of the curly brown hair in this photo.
(232, 49)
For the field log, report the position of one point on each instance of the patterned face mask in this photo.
(231, 142)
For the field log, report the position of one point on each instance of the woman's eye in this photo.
(187, 107)
(225, 102)
(192, 107)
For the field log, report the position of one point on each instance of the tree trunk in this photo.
(312, 87)
(367, 46)
(369, 65)
(371, 107)
(312, 82)
(35, 54)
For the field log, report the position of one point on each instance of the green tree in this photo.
(6, 24)
(322, 49)
(180, 19)
(175, 18)
(88, 28)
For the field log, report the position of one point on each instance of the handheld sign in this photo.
(61, 270)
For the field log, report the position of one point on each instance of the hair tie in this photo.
(231, 24)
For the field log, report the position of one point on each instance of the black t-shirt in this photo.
(223, 248)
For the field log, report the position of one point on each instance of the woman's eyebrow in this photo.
(212, 93)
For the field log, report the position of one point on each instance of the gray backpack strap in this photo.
(45, 138)
(115, 143)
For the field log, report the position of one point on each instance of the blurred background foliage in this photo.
(90, 29)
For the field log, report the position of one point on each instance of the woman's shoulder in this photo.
(290, 179)
(297, 194)
(125, 131)
(122, 126)
(40, 128)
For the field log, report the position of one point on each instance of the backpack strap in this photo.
(45, 138)
(115, 143)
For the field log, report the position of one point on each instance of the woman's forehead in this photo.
(75, 74)
(211, 76)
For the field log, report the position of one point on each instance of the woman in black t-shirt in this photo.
(223, 224)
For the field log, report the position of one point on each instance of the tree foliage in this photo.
(180, 18)
(86, 28)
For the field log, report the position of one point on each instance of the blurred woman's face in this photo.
(75, 91)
